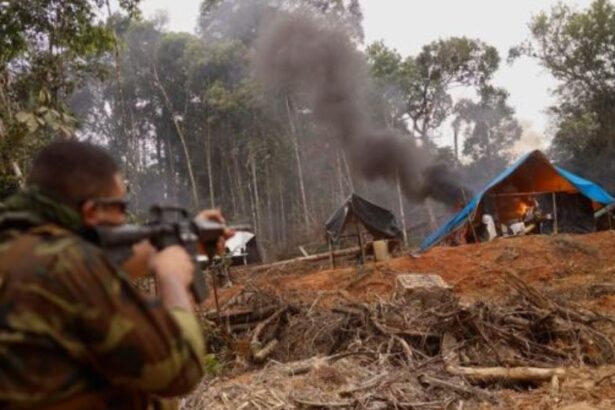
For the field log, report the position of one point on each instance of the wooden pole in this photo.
(215, 288)
(402, 213)
(555, 227)
(465, 201)
(331, 255)
(530, 193)
(358, 226)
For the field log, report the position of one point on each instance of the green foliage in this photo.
(241, 19)
(45, 119)
(578, 49)
(423, 82)
(212, 365)
(48, 49)
(490, 129)
(490, 126)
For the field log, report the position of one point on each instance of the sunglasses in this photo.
(119, 203)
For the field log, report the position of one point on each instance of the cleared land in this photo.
(527, 324)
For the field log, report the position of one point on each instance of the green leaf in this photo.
(43, 96)
(66, 131)
(32, 124)
(23, 117)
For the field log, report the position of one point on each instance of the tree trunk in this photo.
(456, 139)
(431, 214)
(242, 200)
(231, 187)
(269, 210)
(170, 171)
(348, 173)
(402, 213)
(340, 178)
(282, 211)
(210, 173)
(294, 137)
(180, 133)
(127, 121)
(256, 210)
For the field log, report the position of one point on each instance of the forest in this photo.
(204, 120)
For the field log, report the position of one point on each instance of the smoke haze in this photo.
(309, 58)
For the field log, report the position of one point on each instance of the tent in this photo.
(242, 248)
(573, 197)
(378, 221)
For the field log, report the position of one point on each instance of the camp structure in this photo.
(532, 196)
(357, 214)
(242, 248)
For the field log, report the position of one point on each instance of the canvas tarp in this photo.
(242, 248)
(531, 173)
(378, 221)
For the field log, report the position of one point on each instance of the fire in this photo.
(522, 208)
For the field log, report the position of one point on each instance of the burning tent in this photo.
(532, 195)
(378, 221)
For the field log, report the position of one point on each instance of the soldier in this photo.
(74, 333)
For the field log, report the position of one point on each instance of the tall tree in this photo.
(491, 129)
(578, 49)
(48, 48)
(424, 82)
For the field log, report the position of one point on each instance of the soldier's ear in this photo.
(89, 213)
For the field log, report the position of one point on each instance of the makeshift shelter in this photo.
(243, 249)
(357, 211)
(569, 200)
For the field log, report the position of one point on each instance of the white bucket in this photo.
(381, 251)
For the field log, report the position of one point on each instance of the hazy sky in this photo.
(409, 24)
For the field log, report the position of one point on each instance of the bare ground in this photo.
(374, 356)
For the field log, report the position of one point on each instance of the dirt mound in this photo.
(564, 262)
(299, 337)
(397, 354)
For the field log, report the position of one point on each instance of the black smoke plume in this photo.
(303, 55)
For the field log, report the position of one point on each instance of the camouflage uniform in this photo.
(74, 334)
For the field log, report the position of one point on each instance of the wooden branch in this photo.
(307, 365)
(512, 374)
(256, 345)
(449, 356)
(260, 355)
(241, 316)
(311, 258)
(372, 382)
(387, 330)
(472, 391)
(325, 405)
(406, 348)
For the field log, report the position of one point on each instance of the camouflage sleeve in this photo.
(130, 340)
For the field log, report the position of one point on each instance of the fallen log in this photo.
(503, 374)
(311, 258)
(323, 405)
(259, 353)
(471, 391)
(373, 382)
(307, 365)
(241, 316)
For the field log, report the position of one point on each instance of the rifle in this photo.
(169, 225)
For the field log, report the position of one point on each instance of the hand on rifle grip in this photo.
(216, 216)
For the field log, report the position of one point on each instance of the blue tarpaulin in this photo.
(585, 187)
